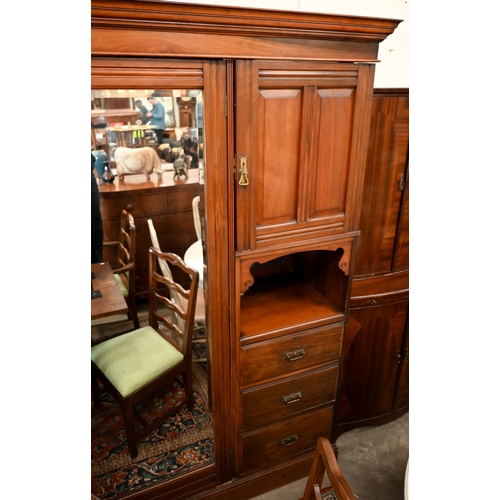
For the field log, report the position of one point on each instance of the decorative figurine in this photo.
(180, 168)
(131, 161)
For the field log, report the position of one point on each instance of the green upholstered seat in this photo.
(132, 360)
(121, 286)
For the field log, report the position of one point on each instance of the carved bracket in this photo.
(247, 279)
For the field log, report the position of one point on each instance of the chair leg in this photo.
(128, 417)
(94, 389)
(188, 388)
(132, 311)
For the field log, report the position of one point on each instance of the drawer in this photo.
(276, 400)
(284, 440)
(166, 225)
(182, 200)
(280, 357)
(153, 203)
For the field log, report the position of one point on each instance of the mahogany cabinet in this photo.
(167, 202)
(375, 368)
(287, 100)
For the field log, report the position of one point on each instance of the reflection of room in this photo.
(121, 118)
(122, 134)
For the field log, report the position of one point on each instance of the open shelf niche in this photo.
(295, 291)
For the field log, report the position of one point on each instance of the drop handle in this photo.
(295, 355)
(289, 440)
(243, 171)
(292, 398)
(401, 182)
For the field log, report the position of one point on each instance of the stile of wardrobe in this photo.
(287, 103)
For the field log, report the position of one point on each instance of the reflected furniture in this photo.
(166, 201)
(111, 300)
(287, 100)
(325, 462)
(133, 366)
(196, 216)
(129, 136)
(124, 268)
(199, 314)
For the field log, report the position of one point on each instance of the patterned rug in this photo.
(183, 443)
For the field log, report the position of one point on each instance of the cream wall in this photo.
(392, 71)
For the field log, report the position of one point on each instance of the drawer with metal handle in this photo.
(283, 440)
(265, 403)
(280, 357)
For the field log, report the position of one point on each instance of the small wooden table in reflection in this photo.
(111, 301)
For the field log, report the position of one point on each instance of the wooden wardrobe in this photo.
(287, 111)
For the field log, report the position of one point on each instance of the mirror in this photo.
(123, 118)
(133, 118)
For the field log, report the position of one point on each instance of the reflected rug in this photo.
(181, 444)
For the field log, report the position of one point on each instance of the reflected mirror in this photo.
(168, 124)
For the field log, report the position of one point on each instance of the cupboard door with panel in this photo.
(384, 226)
(301, 128)
(375, 376)
(373, 355)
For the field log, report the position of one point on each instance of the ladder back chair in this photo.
(124, 269)
(199, 315)
(133, 366)
(325, 461)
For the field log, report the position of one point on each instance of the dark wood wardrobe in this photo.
(288, 100)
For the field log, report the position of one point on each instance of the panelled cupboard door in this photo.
(372, 358)
(299, 163)
(383, 244)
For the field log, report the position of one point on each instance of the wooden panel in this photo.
(381, 206)
(278, 167)
(402, 251)
(284, 440)
(373, 342)
(328, 191)
(275, 400)
(368, 288)
(280, 357)
(138, 206)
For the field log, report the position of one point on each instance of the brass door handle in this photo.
(243, 171)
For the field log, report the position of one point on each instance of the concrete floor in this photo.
(372, 459)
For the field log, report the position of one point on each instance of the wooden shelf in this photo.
(282, 308)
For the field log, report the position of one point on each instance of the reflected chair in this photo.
(196, 216)
(124, 269)
(133, 366)
(199, 315)
(325, 461)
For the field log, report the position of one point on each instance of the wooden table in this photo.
(112, 301)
